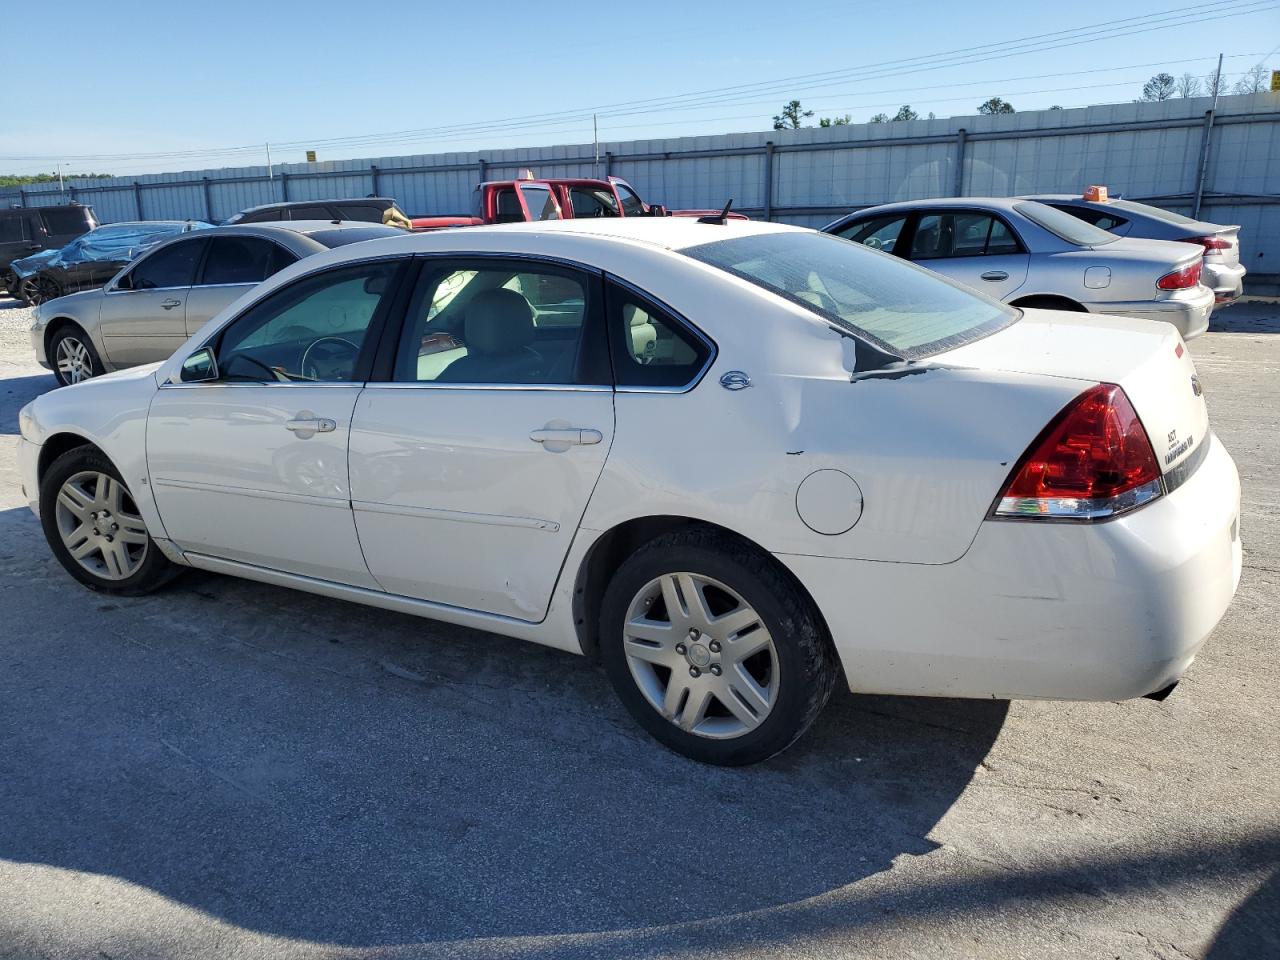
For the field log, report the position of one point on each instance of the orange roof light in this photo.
(1095, 194)
(527, 174)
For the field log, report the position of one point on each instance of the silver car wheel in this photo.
(73, 360)
(100, 526)
(701, 655)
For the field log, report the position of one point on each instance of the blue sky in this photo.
(129, 79)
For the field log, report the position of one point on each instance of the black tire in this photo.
(806, 663)
(71, 332)
(154, 569)
(37, 290)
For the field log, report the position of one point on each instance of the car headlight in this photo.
(27, 423)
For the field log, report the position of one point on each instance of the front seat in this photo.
(498, 333)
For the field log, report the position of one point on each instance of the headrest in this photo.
(498, 321)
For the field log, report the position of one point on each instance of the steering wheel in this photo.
(338, 349)
(875, 243)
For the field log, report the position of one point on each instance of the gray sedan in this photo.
(1032, 255)
(152, 306)
(1223, 272)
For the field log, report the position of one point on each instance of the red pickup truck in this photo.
(528, 199)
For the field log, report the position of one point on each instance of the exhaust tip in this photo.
(1161, 694)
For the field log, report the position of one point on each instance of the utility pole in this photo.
(595, 136)
(1203, 169)
(61, 188)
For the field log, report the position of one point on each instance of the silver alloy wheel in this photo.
(701, 655)
(100, 525)
(73, 360)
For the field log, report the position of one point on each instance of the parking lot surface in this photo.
(228, 769)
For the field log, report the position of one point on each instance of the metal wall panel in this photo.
(1142, 150)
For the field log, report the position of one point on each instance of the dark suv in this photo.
(364, 209)
(28, 230)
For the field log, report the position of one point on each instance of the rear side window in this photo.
(650, 347)
(172, 266)
(243, 260)
(509, 209)
(312, 213)
(11, 230)
(73, 221)
(961, 234)
(364, 212)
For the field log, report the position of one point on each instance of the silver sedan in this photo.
(1031, 255)
(151, 307)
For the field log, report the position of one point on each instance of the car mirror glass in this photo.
(200, 367)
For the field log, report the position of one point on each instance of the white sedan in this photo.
(736, 461)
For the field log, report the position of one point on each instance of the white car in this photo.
(735, 460)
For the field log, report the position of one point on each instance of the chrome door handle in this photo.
(307, 427)
(995, 275)
(170, 303)
(568, 436)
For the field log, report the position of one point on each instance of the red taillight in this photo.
(1183, 279)
(1094, 460)
(1210, 243)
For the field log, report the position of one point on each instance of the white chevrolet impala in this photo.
(735, 461)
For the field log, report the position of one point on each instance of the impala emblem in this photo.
(735, 380)
(1195, 386)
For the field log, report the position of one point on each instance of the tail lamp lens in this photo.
(1183, 279)
(1094, 460)
(1211, 243)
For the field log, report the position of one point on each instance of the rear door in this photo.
(15, 238)
(471, 468)
(232, 266)
(973, 247)
(143, 316)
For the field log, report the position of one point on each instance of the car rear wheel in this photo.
(95, 529)
(713, 649)
(72, 356)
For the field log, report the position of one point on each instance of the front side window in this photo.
(632, 206)
(495, 323)
(897, 306)
(508, 206)
(171, 266)
(312, 331)
(878, 233)
(243, 260)
(11, 230)
(592, 202)
(540, 201)
(650, 347)
(364, 212)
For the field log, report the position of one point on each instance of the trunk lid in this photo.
(1146, 358)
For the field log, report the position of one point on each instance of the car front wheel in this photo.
(72, 356)
(713, 649)
(95, 529)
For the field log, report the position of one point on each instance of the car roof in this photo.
(305, 227)
(990, 203)
(672, 233)
(289, 204)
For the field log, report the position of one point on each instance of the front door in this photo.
(471, 470)
(538, 200)
(973, 248)
(144, 313)
(253, 466)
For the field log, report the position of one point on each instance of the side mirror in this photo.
(200, 367)
(658, 210)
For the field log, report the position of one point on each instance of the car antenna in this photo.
(721, 218)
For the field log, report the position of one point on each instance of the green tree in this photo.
(1056, 107)
(995, 105)
(836, 121)
(880, 118)
(22, 179)
(1159, 87)
(792, 116)
(906, 113)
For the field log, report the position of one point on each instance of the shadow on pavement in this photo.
(1255, 316)
(17, 392)
(312, 769)
(1253, 928)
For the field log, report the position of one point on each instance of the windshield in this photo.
(1064, 225)
(895, 305)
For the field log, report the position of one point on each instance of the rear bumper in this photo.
(1225, 280)
(1187, 310)
(1103, 611)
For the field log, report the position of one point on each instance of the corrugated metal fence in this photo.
(1148, 151)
